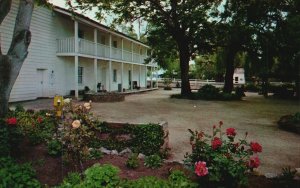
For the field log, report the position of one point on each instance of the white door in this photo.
(41, 84)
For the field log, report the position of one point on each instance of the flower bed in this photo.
(104, 97)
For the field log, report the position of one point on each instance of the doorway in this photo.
(41, 83)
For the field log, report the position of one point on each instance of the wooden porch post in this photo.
(76, 59)
(95, 60)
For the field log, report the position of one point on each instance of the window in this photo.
(115, 75)
(80, 75)
(80, 34)
(102, 39)
(115, 44)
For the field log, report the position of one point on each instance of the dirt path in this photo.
(254, 114)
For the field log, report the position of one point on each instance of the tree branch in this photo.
(4, 9)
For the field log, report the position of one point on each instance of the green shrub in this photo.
(54, 147)
(19, 108)
(285, 91)
(178, 179)
(208, 92)
(153, 161)
(133, 161)
(10, 136)
(147, 139)
(72, 180)
(95, 154)
(148, 182)
(16, 175)
(101, 176)
(252, 87)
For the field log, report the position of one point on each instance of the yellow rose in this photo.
(76, 124)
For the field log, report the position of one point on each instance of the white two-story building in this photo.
(68, 52)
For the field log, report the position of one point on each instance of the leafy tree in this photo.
(11, 63)
(245, 26)
(186, 22)
(288, 38)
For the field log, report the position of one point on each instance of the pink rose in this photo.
(200, 168)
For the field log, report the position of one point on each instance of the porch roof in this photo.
(96, 24)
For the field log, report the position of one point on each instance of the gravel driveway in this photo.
(255, 114)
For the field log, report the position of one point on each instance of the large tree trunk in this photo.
(297, 80)
(184, 67)
(229, 60)
(11, 63)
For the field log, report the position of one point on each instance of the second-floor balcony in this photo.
(85, 47)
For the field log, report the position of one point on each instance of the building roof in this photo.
(95, 23)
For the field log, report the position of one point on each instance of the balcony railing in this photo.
(86, 47)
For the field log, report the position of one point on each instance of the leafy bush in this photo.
(10, 136)
(54, 147)
(290, 122)
(95, 154)
(148, 182)
(133, 161)
(15, 175)
(219, 161)
(71, 180)
(285, 91)
(153, 161)
(78, 133)
(209, 92)
(101, 176)
(147, 139)
(252, 87)
(178, 179)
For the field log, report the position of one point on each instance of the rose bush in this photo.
(221, 159)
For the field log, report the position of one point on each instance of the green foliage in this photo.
(10, 138)
(79, 127)
(19, 108)
(38, 127)
(153, 161)
(296, 117)
(178, 179)
(95, 154)
(133, 161)
(148, 182)
(227, 160)
(252, 87)
(54, 147)
(284, 91)
(209, 92)
(101, 176)
(72, 180)
(288, 173)
(16, 175)
(147, 139)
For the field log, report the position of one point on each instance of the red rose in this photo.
(254, 162)
(11, 121)
(216, 143)
(39, 119)
(230, 132)
(214, 126)
(255, 147)
(201, 169)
